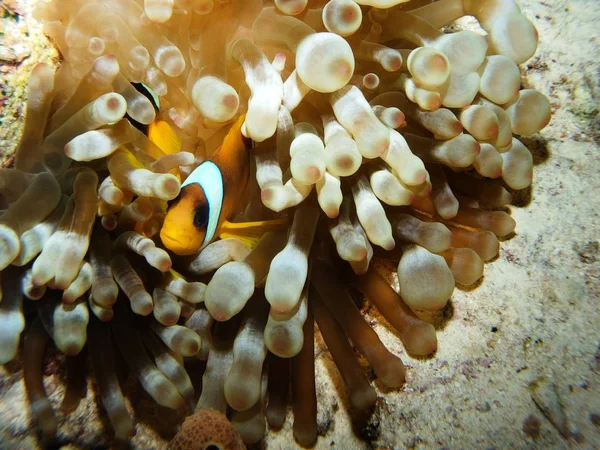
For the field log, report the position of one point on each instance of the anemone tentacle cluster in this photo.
(376, 134)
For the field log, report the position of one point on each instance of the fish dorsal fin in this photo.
(163, 135)
(251, 232)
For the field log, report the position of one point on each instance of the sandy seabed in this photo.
(518, 364)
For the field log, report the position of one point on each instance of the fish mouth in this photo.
(177, 246)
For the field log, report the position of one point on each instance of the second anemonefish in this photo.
(211, 195)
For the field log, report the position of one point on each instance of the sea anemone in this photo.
(376, 136)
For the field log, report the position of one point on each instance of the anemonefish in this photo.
(209, 195)
(158, 131)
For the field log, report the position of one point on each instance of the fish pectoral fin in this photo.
(163, 135)
(251, 232)
(175, 274)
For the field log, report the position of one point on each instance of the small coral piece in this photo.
(207, 429)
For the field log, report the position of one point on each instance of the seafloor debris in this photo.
(14, 55)
(546, 398)
(363, 131)
(9, 8)
(207, 429)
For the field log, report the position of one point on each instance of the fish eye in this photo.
(201, 216)
(212, 447)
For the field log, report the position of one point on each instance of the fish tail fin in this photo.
(251, 232)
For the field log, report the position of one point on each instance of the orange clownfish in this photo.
(209, 196)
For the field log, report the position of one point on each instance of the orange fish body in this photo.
(211, 194)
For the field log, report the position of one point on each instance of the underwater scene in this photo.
(231, 224)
